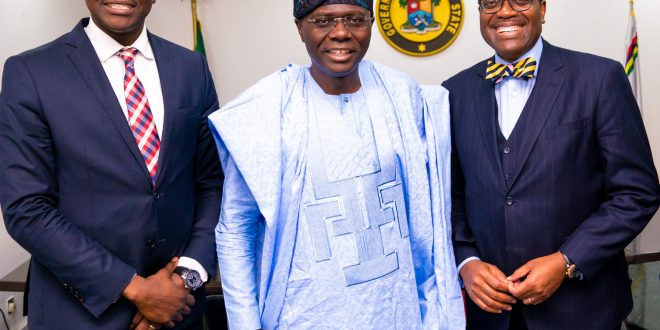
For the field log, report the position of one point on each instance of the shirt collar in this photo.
(329, 98)
(106, 47)
(535, 52)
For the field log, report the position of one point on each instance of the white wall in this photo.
(12, 254)
(246, 40)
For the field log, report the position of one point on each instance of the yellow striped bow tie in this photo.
(522, 69)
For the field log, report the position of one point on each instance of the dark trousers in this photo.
(195, 326)
(517, 321)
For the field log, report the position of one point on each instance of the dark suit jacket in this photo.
(75, 191)
(578, 177)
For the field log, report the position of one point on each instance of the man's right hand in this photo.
(158, 298)
(487, 286)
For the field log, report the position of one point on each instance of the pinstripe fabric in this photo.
(577, 176)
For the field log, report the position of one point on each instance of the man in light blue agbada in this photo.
(336, 203)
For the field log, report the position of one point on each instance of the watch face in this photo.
(191, 278)
(194, 280)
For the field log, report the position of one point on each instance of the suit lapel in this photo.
(169, 89)
(540, 103)
(486, 110)
(87, 64)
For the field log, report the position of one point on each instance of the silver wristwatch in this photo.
(191, 278)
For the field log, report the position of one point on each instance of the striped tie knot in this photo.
(522, 69)
(128, 56)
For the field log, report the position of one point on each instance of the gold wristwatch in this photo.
(572, 271)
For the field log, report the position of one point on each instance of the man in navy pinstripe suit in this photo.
(552, 178)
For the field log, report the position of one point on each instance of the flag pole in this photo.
(632, 7)
(636, 80)
(193, 5)
(638, 83)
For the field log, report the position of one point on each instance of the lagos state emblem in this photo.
(420, 27)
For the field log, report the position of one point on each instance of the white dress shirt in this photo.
(512, 93)
(147, 71)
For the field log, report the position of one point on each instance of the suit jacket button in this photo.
(151, 243)
(507, 150)
(156, 196)
(509, 201)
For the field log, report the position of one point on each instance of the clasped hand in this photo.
(533, 283)
(161, 299)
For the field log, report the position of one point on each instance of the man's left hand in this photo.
(140, 323)
(538, 279)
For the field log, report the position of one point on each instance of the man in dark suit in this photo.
(552, 178)
(109, 176)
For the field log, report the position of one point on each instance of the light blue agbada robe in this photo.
(269, 151)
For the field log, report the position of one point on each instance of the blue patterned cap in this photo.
(303, 7)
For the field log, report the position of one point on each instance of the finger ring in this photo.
(152, 327)
(530, 300)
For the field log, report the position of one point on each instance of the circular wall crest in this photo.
(420, 27)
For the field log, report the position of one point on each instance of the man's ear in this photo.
(299, 26)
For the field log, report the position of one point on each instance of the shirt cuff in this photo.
(460, 266)
(191, 263)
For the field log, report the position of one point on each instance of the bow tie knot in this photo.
(522, 69)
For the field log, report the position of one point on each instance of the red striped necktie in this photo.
(139, 114)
